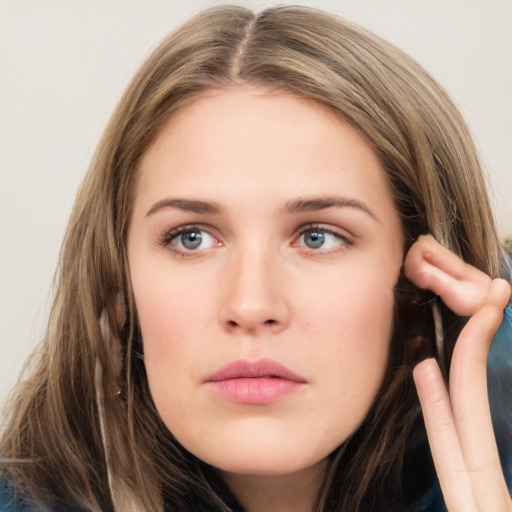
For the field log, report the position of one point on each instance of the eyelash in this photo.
(170, 236)
(345, 240)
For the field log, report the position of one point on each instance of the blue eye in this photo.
(191, 239)
(316, 238)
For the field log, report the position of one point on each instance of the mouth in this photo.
(254, 382)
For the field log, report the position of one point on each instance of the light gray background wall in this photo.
(63, 66)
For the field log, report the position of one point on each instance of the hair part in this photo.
(52, 446)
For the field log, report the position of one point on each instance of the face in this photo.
(263, 249)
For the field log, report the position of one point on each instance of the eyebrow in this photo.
(298, 205)
(306, 204)
(187, 205)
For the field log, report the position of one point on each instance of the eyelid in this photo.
(345, 237)
(171, 234)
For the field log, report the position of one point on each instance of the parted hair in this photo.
(81, 430)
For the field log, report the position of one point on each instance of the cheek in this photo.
(171, 322)
(354, 332)
(358, 312)
(179, 326)
(172, 307)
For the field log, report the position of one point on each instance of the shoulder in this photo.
(10, 502)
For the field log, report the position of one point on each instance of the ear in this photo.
(110, 337)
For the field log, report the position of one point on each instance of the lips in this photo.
(254, 382)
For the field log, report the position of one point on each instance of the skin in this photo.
(458, 419)
(257, 291)
(255, 288)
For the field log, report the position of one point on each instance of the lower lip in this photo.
(255, 391)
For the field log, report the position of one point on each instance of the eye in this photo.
(190, 239)
(320, 238)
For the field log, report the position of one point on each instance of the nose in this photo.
(255, 297)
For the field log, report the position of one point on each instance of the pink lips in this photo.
(255, 383)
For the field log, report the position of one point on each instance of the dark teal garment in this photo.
(10, 503)
(499, 366)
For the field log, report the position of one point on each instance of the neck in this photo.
(296, 492)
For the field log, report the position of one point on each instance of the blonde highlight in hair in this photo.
(52, 446)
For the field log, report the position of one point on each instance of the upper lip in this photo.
(244, 369)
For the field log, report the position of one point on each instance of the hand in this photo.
(458, 419)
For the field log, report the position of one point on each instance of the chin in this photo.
(262, 446)
(262, 460)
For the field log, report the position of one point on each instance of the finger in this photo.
(461, 286)
(443, 438)
(470, 404)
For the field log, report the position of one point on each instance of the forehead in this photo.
(246, 140)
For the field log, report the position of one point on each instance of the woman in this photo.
(267, 185)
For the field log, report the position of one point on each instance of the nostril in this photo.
(232, 323)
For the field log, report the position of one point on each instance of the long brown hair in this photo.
(54, 445)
